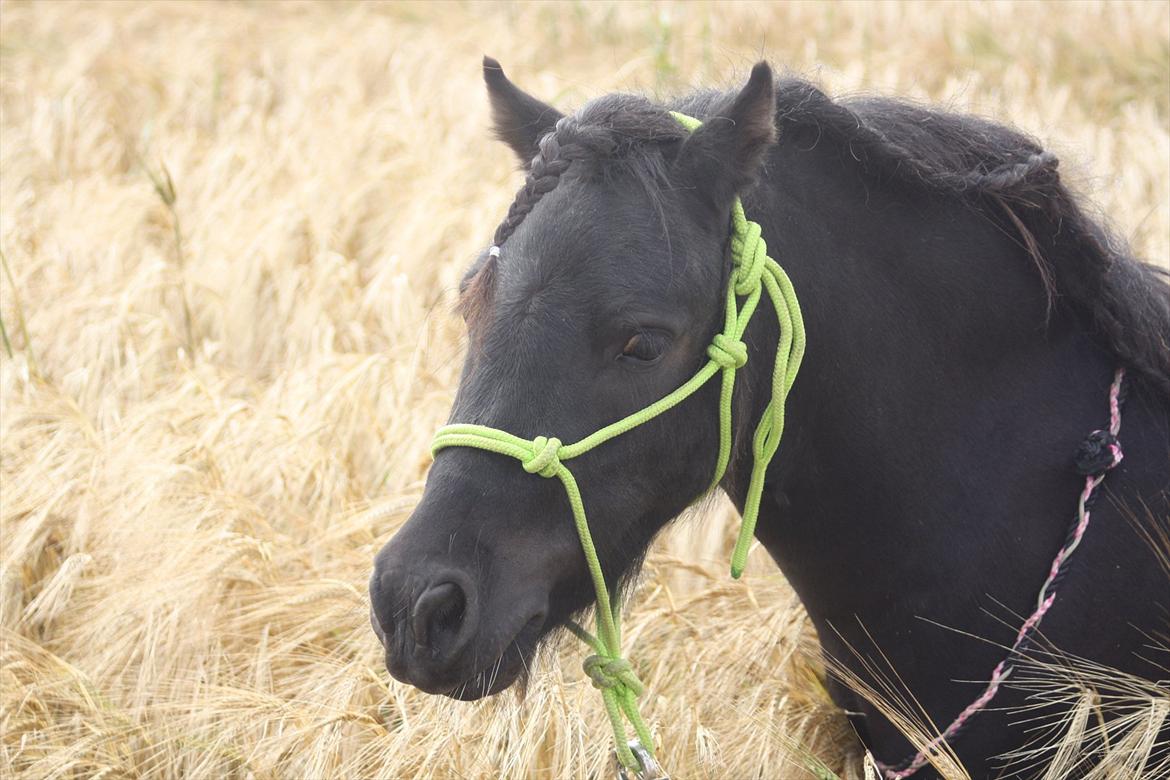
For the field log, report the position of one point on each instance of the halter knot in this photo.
(727, 352)
(544, 460)
(1098, 453)
(612, 674)
(750, 251)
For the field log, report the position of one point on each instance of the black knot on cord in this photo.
(1098, 453)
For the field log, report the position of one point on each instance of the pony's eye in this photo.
(644, 347)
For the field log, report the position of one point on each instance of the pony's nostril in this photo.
(438, 615)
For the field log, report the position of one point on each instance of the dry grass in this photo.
(233, 233)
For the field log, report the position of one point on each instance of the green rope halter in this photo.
(752, 273)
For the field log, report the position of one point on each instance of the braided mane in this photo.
(619, 131)
(611, 135)
(543, 175)
(991, 169)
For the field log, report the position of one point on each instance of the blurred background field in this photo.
(231, 235)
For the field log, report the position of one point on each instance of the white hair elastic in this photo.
(494, 252)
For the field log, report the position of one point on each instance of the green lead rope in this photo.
(753, 273)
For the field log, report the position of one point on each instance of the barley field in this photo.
(231, 235)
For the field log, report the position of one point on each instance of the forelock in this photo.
(613, 134)
(609, 136)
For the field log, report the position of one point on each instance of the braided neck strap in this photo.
(752, 274)
(1097, 455)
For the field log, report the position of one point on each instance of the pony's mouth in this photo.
(509, 666)
(512, 664)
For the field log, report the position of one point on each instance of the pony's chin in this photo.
(509, 667)
(490, 681)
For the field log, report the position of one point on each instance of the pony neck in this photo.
(936, 410)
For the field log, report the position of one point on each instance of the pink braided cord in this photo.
(1002, 671)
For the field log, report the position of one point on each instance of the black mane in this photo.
(1009, 178)
(992, 169)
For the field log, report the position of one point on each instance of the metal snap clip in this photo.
(651, 770)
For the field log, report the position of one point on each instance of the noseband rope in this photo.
(752, 273)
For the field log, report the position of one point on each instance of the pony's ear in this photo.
(520, 119)
(723, 157)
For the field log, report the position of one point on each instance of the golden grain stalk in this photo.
(194, 490)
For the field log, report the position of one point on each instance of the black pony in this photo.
(965, 322)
